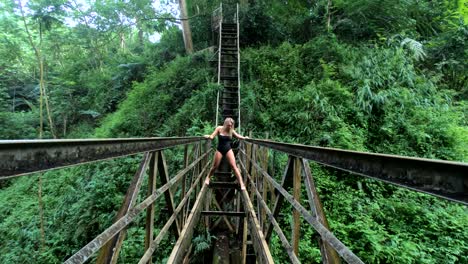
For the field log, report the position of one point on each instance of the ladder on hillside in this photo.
(228, 98)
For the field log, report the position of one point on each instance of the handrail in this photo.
(84, 253)
(154, 244)
(446, 179)
(238, 70)
(326, 235)
(22, 157)
(220, 27)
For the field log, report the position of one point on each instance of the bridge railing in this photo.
(445, 179)
(24, 157)
(441, 178)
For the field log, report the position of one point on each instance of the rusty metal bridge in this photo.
(242, 220)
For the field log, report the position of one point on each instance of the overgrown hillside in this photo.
(367, 75)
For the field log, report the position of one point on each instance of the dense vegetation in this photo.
(368, 75)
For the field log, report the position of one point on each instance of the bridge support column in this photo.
(329, 255)
(153, 166)
(110, 251)
(297, 196)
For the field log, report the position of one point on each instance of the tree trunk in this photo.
(140, 33)
(122, 41)
(329, 16)
(41, 121)
(186, 27)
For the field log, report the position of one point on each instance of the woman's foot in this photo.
(242, 187)
(207, 180)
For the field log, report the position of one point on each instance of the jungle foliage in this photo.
(367, 75)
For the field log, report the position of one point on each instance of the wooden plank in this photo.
(92, 247)
(164, 176)
(155, 243)
(110, 251)
(329, 255)
(297, 196)
(326, 235)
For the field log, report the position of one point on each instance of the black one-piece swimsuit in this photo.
(224, 144)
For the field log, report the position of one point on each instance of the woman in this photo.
(225, 133)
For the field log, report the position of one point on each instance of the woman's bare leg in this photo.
(232, 161)
(216, 160)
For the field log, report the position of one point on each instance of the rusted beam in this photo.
(184, 182)
(260, 245)
(110, 251)
(149, 225)
(445, 179)
(207, 208)
(164, 177)
(286, 183)
(185, 239)
(326, 235)
(226, 220)
(264, 184)
(84, 253)
(224, 213)
(217, 204)
(21, 157)
(155, 243)
(329, 255)
(186, 209)
(297, 196)
(244, 240)
(274, 223)
(224, 185)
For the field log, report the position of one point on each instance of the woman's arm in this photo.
(215, 132)
(234, 133)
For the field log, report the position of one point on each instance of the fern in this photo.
(415, 47)
(202, 242)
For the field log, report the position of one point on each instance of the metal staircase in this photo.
(227, 30)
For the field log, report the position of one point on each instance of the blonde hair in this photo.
(228, 119)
